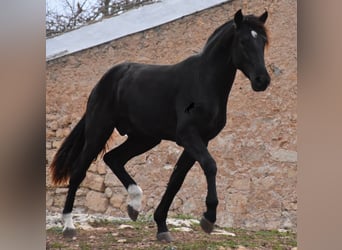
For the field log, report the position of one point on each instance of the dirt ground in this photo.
(141, 235)
(71, 78)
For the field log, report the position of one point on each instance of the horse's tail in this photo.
(62, 163)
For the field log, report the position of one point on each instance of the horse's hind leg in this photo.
(95, 139)
(116, 160)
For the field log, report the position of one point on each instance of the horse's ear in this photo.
(263, 17)
(238, 17)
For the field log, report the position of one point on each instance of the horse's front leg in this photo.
(197, 148)
(182, 167)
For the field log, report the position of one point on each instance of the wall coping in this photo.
(130, 22)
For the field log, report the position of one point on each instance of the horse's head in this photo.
(248, 49)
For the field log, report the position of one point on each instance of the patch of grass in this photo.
(85, 246)
(100, 223)
(56, 245)
(55, 230)
(184, 217)
(269, 239)
(108, 240)
(142, 236)
(263, 238)
(170, 248)
(205, 244)
(146, 218)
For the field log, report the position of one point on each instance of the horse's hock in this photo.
(255, 153)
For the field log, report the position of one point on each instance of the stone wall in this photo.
(255, 153)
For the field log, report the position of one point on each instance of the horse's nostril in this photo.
(263, 79)
(261, 82)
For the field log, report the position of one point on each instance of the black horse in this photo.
(185, 103)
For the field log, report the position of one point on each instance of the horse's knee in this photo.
(209, 167)
(211, 170)
(113, 160)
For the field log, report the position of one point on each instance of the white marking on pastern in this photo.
(135, 196)
(68, 222)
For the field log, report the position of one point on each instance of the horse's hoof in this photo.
(132, 213)
(206, 225)
(165, 237)
(69, 232)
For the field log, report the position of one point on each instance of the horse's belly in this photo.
(154, 125)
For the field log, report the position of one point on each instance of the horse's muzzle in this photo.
(261, 82)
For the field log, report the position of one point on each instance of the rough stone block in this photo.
(96, 201)
(117, 200)
(101, 168)
(111, 180)
(94, 182)
(108, 192)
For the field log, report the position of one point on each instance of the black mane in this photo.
(227, 29)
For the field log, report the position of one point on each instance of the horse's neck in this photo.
(216, 62)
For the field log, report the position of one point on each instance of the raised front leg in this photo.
(197, 148)
(182, 167)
